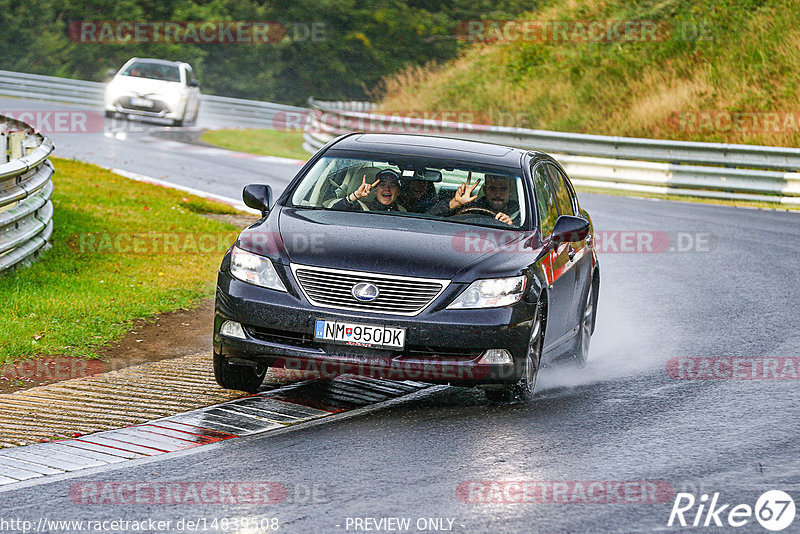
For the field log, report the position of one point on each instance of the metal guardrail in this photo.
(332, 118)
(247, 113)
(26, 212)
(711, 170)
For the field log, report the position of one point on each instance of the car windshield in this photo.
(154, 71)
(415, 189)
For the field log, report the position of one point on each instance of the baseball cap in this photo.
(388, 174)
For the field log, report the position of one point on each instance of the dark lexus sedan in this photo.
(411, 257)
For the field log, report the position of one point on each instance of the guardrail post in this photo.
(792, 187)
(15, 140)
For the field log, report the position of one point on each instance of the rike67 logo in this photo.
(774, 510)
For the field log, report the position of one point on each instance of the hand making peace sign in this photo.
(363, 190)
(463, 194)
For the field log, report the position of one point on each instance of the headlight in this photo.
(491, 293)
(255, 269)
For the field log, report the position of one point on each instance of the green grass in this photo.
(121, 250)
(262, 142)
(711, 58)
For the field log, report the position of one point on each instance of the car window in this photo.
(424, 190)
(545, 200)
(153, 71)
(564, 198)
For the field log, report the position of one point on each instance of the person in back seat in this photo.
(417, 195)
(387, 191)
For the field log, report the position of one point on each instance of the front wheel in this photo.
(522, 391)
(239, 377)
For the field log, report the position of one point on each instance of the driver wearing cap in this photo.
(497, 198)
(387, 189)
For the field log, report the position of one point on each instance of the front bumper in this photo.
(160, 108)
(442, 346)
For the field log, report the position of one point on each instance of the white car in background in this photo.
(154, 88)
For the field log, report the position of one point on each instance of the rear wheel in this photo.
(239, 377)
(581, 354)
(177, 122)
(522, 391)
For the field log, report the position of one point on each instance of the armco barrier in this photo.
(26, 212)
(714, 170)
(235, 111)
(711, 170)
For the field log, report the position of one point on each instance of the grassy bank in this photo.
(263, 142)
(710, 62)
(121, 250)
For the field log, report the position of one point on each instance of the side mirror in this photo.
(258, 196)
(110, 74)
(569, 229)
(193, 83)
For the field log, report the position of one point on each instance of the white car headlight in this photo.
(255, 269)
(491, 293)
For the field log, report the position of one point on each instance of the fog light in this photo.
(496, 357)
(232, 329)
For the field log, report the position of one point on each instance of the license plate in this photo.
(142, 102)
(360, 335)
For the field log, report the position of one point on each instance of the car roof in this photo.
(433, 147)
(158, 61)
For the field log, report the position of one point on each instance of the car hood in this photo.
(144, 86)
(380, 243)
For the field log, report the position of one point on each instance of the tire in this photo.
(238, 377)
(178, 122)
(110, 114)
(522, 391)
(581, 353)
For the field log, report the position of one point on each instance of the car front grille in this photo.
(158, 106)
(398, 295)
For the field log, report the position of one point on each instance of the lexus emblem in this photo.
(365, 292)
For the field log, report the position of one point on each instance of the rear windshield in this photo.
(154, 71)
(415, 189)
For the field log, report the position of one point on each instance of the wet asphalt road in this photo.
(733, 293)
(134, 146)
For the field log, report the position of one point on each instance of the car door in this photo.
(555, 262)
(579, 266)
